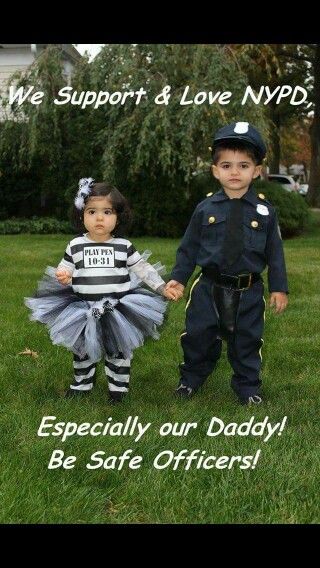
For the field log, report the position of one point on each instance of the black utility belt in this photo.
(236, 282)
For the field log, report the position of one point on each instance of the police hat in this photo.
(241, 131)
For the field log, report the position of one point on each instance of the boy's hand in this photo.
(279, 300)
(64, 276)
(175, 288)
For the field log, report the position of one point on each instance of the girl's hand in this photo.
(174, 290)
(279, 300)
(176, 287)
(172, 294)
(64, 276)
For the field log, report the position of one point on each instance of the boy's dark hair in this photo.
(236, 146)
(119, 204)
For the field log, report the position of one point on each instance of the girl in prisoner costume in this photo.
(94, 303)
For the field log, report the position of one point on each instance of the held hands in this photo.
(64, 276)
(279, 300)
(173, 290)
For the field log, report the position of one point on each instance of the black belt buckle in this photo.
(237, 282)
(242, 278)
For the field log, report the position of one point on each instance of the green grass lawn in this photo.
(283, 487)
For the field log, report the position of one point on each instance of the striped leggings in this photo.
(117, 371)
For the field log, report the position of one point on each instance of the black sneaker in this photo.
(184, 392)
(255, 399)
(71, 393)
(116, 396)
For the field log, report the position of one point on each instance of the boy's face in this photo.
(99, 218)
(235, 170)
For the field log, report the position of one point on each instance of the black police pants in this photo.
(202, 345)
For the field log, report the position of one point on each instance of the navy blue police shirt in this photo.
(203, 240)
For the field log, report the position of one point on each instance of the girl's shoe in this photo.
(116, 396)
(71, 393)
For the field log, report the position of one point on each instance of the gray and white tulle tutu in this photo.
(111, 326)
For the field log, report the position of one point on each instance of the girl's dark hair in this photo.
(119, 204)
(236, 146)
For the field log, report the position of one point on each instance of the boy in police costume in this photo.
(232, 235)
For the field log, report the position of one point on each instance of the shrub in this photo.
(292, 210)
(37, 225)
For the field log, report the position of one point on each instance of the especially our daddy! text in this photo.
(132, 427)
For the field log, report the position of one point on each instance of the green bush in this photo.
(169, 217)
(38, 225)
(292, 210)
(201, 184)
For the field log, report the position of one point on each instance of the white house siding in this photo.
(16, 57)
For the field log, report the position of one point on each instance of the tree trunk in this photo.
(313, 196)
(274, 163)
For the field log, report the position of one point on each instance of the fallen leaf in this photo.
(28, 351)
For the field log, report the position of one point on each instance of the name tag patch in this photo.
(262, 209)
(98, 257)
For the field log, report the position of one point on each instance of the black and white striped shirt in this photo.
(100, 268)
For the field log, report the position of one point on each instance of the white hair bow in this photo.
(85, 185)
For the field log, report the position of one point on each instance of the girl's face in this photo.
(99, 218)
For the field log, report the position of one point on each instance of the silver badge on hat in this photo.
(241, 127)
